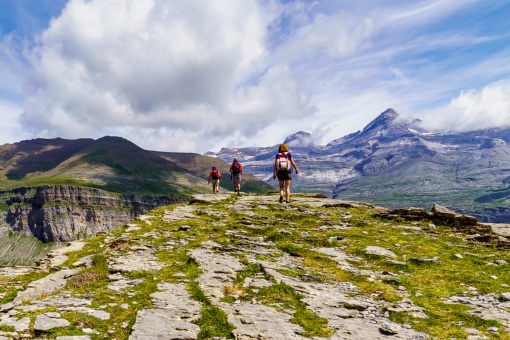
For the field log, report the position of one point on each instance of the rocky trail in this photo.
(201, 271)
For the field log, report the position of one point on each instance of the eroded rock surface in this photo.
(138, 261)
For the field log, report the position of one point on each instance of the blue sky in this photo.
(197, 75)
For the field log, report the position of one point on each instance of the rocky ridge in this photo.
(169, 268)
(59, 213)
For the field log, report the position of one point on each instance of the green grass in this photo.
(298, 231)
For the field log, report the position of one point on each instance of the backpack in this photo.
(214, 173)
(236, 168)
(282, 161)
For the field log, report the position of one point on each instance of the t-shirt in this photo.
(214, 174)
(240, 166)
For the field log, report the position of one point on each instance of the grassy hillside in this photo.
(201, 165)
(109, 163)
(113, 164)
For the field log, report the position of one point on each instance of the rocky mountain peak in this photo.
(300, 138)
(383, 119)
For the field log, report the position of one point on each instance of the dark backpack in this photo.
(236, 168)
(282, 161)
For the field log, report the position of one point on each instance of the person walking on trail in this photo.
(236, 170)
(214, 178)
(282, 169)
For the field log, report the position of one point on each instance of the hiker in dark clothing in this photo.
(282, 169)
(236, 170)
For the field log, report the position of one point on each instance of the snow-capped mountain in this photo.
(393, 162)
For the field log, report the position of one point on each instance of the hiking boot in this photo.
(287, 202)
(281, 199)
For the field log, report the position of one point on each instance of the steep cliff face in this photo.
(54, 213)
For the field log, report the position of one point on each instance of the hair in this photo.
(283, 148)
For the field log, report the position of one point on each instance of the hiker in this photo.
(215, 178)
(236, 169)
(282, 169)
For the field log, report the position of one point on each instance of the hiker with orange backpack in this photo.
(215, 178)
(236, 169)
(282, 169)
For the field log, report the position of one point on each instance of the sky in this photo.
(199, 75)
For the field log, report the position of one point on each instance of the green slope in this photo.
(201, 165)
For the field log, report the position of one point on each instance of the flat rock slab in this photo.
(180, 212)
(353, 317)
(21, 325)
(159, 324)
(487, 307)
(379, 251)
(58, 256)
(16, 271)
(44, 323)
(210, 198)
(219, 270)
(500, 229)
(142, 259)
(45, 285)
(173, 319)
(257, 321)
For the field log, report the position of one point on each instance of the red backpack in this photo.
(214, 173)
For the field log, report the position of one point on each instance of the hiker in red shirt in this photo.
(215, 178)
(236, 169)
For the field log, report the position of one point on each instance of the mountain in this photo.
(58, 190)
(109, 163)
(394, 162)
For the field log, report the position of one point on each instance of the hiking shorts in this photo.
(215, 181)
(236, 179)
(283, 175)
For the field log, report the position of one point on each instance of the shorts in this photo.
(283, 175)
(215, 181)
(236, 179)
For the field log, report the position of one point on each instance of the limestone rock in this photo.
(374, 250)
(44, 323)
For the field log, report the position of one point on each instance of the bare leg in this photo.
(287, 191)
(281, 190)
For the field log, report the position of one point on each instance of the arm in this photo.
(294, 165)
(274, 169)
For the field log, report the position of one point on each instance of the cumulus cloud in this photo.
(155, 64)
(11, 131)
(197, 75)
(473, 110)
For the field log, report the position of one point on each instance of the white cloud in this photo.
(11, 129)
(201, 74)
(158, 64)
(473, 110)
